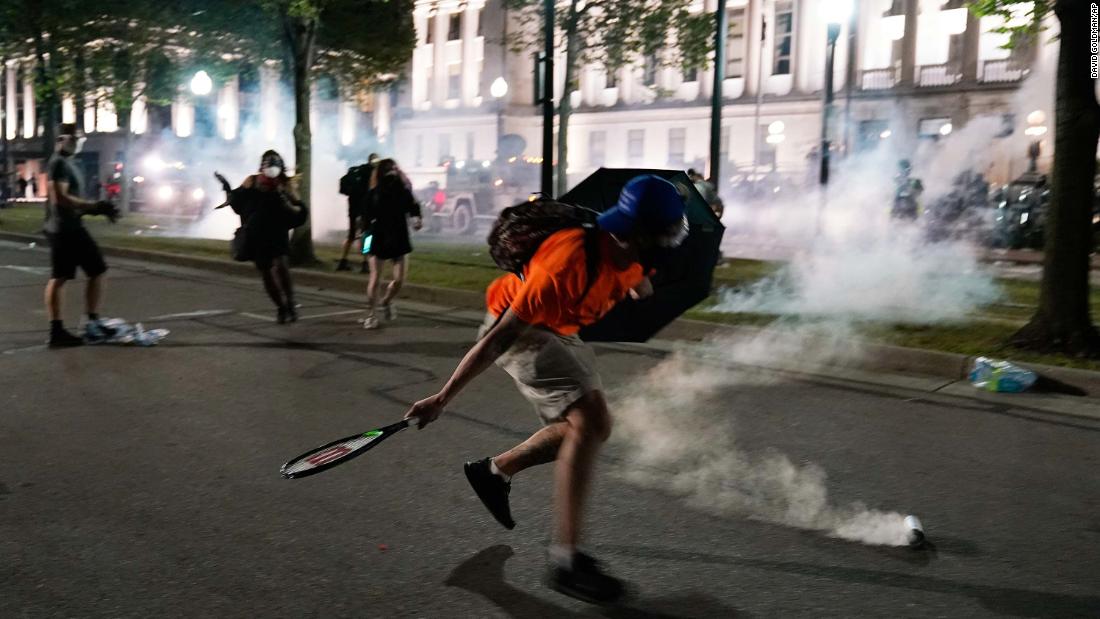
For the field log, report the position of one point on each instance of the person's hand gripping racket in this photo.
(425, 411)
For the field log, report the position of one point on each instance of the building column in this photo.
(754, 81)
(971, 39)
(802, 20)
(9, 100)
(29, 120)
(439, 61)
(909, 43)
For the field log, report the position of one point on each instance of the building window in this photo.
(429, 30)
(635, 145)
(691, 75)
(871, 134)
(676, 142)
(454, 27)
(649, 70)
(933, 128)
(454, 81)
(444, 147)
(784, 22)
(735, 44)
(610, 78)
(597, 147)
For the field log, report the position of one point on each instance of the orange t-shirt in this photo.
(550, 293)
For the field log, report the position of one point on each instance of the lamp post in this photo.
(547, 94)
(775, 138)
(721, 26)
(835, 12)
(498, 89)
(1036, 129)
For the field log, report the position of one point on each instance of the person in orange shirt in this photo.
(531, 332)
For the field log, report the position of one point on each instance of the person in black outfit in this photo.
(70, 244)
(269, 209)
(392, 202)
(356, 186)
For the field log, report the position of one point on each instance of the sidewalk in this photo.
(926, 370)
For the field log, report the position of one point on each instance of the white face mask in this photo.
(79, 145)
(272, 171)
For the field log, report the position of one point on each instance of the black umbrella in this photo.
(684, 274)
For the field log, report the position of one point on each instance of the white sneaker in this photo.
(370, 322)
(389, 312)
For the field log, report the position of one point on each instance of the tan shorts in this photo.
(552, 371)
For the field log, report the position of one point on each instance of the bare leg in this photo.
(541, 448)
(372, 284)
(589, 425)
(53, 298)
(272, 286)
(346, 249)
(282, 272)
(93, 292)
(400, 267)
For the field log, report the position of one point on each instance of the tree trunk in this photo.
(125, 116)
(48, 104)
(301, 33)
(1063, 322)
(565, 108)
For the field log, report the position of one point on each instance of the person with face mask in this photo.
(70, 244)
(531, 332)
(269, 208)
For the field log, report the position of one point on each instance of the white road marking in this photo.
(258, 317)
(26, 269)
(341, 313)
(194, 314)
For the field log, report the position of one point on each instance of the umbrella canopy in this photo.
(684, 274)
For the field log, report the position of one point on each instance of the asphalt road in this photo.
(144, 482)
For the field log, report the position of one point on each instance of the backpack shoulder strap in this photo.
(591, 257)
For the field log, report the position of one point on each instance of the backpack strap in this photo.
(591, 257)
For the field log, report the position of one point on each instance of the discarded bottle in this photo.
(914, 531)
(998, 375)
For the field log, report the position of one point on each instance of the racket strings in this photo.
(329, 454)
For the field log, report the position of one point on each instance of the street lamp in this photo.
(775, 138)
(835, 13)
(1036, 129)
(201, 84)
(498, 89)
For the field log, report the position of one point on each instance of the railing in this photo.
(879, 79)
(1004, 70)
(938, 75)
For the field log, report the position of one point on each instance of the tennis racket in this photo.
(338, 452)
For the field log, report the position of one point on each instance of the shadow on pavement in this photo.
(1001, 600)
(483, 574)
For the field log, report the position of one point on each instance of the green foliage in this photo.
(618, 32)
(1022, 34)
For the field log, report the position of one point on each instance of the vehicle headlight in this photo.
(165, 193)
(198, 194)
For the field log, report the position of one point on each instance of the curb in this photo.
(877, 357)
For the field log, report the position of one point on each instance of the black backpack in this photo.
(520, 230)
(355, 183)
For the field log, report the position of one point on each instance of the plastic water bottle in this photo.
(998, 375)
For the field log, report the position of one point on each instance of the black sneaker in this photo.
(281, 315)
(292, 313)
(492, 490)
(585, 582)
(63, 339)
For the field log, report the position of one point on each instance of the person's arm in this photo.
(61, 196)
(414, 209)
(487, 350)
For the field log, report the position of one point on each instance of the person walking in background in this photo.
(391, 204)
(356, 186)
(269, 209)
(70, 244)
(707, 190)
